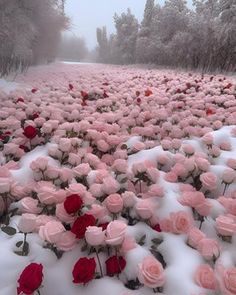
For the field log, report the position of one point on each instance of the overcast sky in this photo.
(87, 15)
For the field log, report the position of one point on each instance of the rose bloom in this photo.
(94, 235)
(120, 166)
(229, 176)
(84, 270)
(204, 277)
(82, 170)
(209, 180)
(181, 222)
(62, 215)
(231, 163)
(64, 144)
(29, 205)
(27, 223)
(115, 232)
(208, 248)
(226, 225)
(228, 283)
(128, 199)
(51, 231)
(144, 209)
(114, 203)
(195, 235)
(151, 272)
(30, 279)
(67, 241)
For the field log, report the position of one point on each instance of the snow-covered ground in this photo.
(178, 132)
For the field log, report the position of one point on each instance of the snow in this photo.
(8, 86)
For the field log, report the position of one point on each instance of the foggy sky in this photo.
(87, 15)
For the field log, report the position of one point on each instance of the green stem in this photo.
(38, 292)
(99, 262)
(23, 247)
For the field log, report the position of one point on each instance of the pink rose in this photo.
(29, 205)
(229, 176)
(114, 203)
(62, 215)
(52, 172)
(151, 272)
(128, 199)
(64, 145)
(156, 190)
(226, 225)
(120, 166)
(66, 174)
(128, 244)
(209, 180)
(208, 248)
(195, 235)
(98, 211)
(170, 177)
(144, 208)
(204, 208)
(181, 221)
(82, 170)
(110, 185)
(27, 223)
(231, 163)
(51, 231)
(94, 235)
(115, 232)
(67, 241)
(202, 164)
(42, 220)
(153, 174)
(228, 284)
(204, 277)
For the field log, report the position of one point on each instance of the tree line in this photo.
(30, 32)
(174, 35)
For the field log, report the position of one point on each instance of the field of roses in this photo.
(117, 181)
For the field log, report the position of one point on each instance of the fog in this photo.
(87, 15)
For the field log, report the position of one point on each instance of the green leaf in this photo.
(141, 242)
(26, 248)
(18, 244)
(157, 241)
(11, 231)
(84, 247)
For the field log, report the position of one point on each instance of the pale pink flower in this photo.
(151, 272)
(27, 223)
(114, 203)
(226, 225)
(228, 176)
(51, 231)
(29, 205)
(181, 222)
(208, 248)
(128, 244)
(62, 215)
(209, 180)
(170, 177)
(120, 166)
(144, 208)
(110, 185)
(205, 277)
(94, 235)
(115, 233)
(195, 235)
(64, 145)
(82, 170)
(67, 241)
(128, 199)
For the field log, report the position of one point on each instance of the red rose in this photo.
(148, 92)
(103, 225)
(138, 100)
(115, 266)
(137, 93)
(34, 90)
(71, 87)
(84, 94)
(157, 228)
(84, 270)
(105, 95)
(73, 204)
(20, 99)
(30, 132)
(83, 103)
(30, 279)
(81, 223)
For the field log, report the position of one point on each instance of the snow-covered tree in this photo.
(29, 32)
(126, 36)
